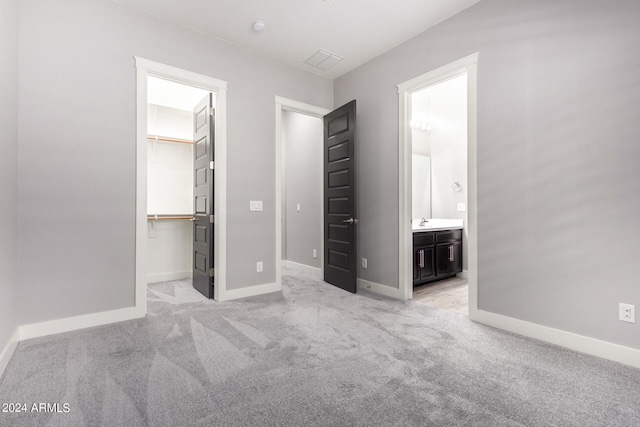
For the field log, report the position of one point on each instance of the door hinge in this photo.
(212, 218)
(212, 272)
(212, 111)
(211, 164)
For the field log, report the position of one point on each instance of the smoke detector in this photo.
(259, 26)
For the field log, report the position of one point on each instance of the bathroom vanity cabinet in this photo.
(437, 255)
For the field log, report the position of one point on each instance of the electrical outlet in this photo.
(315, 253)
(627, 313)
(255, 205)
(462, 207)
(259, 266)
(364, 263)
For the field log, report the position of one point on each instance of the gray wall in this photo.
(77, 142)
(302, 137)
(8, 169)
(558, 176)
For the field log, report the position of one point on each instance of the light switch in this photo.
(255, 205)
(298, 207)
(462, 207)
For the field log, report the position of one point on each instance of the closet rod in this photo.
(169, 217)
(167, 139)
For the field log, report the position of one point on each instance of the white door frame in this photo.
(145, 68)
(284, 104)
(405, 241)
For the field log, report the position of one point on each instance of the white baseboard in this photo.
(166, 277)
(314, 271)
(8, 350)
(464, 274)
(249, 291)
(377, 288)
(606, 350)
(41, 329)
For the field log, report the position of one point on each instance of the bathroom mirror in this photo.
(439, 149)
(421, 186)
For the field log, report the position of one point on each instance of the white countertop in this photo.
(436, 224)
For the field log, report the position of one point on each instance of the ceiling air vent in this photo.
(323, 59)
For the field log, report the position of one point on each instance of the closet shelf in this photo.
(167, 139)
(169, 217)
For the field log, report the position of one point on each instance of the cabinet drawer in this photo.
(422, 239)
(448, 236)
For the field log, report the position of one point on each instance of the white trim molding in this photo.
(251, 291)
(145, 68)
(303, 268)
(387, 291)
(301, 107)
(180, 75)
(58, 326)
(8, 350)
(606, 350)
(284, 104)
(466, 65)
(167, 277)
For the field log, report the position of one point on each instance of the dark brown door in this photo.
(339, 197)
(203, 269)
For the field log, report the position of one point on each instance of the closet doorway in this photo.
(170, 179)
(173, 107)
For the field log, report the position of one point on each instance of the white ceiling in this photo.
(357, 30)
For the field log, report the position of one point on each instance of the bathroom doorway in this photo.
(439, 189)
(437, 173)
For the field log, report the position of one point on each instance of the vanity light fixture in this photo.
(423, 126)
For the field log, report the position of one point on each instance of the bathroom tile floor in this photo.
(450, 294)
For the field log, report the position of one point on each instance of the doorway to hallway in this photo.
(302, 192)
(299, 187)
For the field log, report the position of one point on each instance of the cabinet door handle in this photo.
(451, 253)
(421, 258)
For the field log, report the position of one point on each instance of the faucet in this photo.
(423, 221)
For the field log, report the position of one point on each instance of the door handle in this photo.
(451, 253)
(421, 264)
(351, 221)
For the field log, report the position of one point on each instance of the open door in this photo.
(203, 268)
(340, 256)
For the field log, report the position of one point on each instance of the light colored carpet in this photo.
(311, 355)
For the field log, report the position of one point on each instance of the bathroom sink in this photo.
(435, 224)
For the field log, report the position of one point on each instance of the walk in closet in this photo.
(170, 179)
